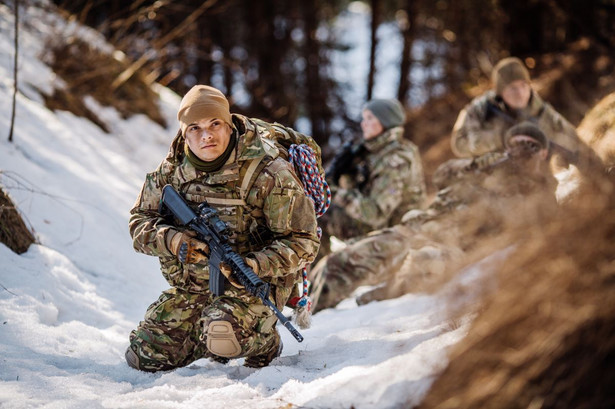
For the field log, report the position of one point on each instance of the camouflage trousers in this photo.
(364, 262)
(175, 328)
(335, 222)
(401, 257)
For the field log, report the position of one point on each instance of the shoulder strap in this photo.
(248, 179)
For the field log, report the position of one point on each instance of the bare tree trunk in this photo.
(205, 66)
(316, 100)
(408, 33)
(373, 47)
(15, 70)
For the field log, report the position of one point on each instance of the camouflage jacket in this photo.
(394, 182)
(481, 125)
(256, 193)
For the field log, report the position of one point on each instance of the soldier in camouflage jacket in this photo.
(481, 125)
(471, 207)
(384, 181)
(231, 162)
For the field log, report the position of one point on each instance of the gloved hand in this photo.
(188, 249)
(226, 270)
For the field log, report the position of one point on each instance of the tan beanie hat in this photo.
(201, 102)
(506, 71)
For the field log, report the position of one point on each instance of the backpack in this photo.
(305, 156)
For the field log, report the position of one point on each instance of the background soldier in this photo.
(481, 125)
(375, 182)
(472, 204)
(227, 161)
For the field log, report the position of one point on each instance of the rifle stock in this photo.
(213, 231)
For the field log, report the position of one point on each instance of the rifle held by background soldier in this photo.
(342, 161)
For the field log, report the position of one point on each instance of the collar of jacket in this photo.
(384, 139)
(254, 141)
(534, 107)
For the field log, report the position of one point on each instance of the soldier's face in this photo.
(208, 138)
(517, 94)
(370, 125)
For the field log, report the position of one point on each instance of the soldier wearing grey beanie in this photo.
(389, 112)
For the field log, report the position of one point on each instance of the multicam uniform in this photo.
(481, 125)
(468, 207)
(258, 195)
(390, 183)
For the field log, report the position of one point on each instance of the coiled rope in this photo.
(303, 158)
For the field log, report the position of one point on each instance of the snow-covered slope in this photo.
(68, 304)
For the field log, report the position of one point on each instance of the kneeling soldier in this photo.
(229, 161)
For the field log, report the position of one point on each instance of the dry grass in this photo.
(13, 231)
(598, 129)
(86, 70)
(546, 337)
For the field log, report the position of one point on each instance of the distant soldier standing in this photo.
(375, 182)
(231, 162)
(481, 125)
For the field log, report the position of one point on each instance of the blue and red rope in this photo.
(303, 158)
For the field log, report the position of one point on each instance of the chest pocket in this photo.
(227, 192)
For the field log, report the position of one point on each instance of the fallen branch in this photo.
(179, 29)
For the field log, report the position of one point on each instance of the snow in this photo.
(68, 304)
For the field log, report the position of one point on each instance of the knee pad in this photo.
(132, 358)
(221, 339)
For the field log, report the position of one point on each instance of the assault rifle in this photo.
(213, 231)
(342, 160)
(523, 150)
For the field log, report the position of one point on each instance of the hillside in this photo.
(68, 303)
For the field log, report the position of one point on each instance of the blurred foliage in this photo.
(273, 57)
(83, 68)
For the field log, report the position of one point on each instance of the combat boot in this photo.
(262, 360)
